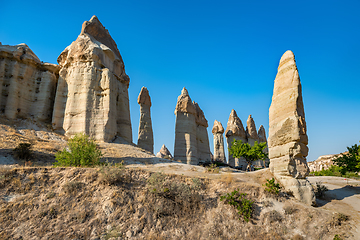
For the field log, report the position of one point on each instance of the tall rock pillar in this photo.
(92, 91)
(287, 132)
(219, 152)
(185, 148)
(202, 138)
(145, 138)
(234, 130)
(251, 133)
(262, 138)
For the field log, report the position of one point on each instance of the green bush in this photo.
(320, 190)
(238, 200)
(23, 151)
(83, 152)
(272, 187)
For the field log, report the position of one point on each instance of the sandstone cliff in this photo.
(27, 85)
(287, 131)
(92, 93)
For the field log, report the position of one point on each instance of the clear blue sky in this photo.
(226, 54)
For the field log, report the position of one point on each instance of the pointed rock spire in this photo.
(251, 129)
(234, 126)
(164, 153)
(217, 128)
(184, 103)
(287, 132)
(262, 134)
(144, 97)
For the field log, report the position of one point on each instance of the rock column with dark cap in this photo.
(219, 152)
(145, 137)
(234, 130)
(287, 132)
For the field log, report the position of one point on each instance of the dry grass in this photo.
(59, 203)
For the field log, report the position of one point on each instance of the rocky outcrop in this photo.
(322, 163)
(164, 153)
(191, 139)
(219, 152)
(27, 85)
(92, 92)
(287, 132)
(202, 138)
(145, 137)
(251, 133)
(262, 138)
(235, 130)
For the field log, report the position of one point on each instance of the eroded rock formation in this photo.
(145, 137)
(234, 130)
(262, 138)
(164, 153)
(287, 132)
(191, 139)
(27, 85)
(251, 133)
(219, 152)
(92, 93)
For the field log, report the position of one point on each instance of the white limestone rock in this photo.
(92, 93)
(27, 85)
(287, 132)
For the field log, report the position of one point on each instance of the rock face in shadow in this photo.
(27, 85)
(145, 137)
(219, 151)
(287, 132)
(202, 138)
(92, 93)
(235, 130)
(164, 153)
(191, 139)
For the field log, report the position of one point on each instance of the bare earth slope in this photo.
(41, 202)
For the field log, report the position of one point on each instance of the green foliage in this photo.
(83, 152)
(238, 200)
(212, 168)
(337, 237)
(23, 151)
(272, 187)
(320, 190)
(349, 162)
(239, 149)
(332, 171)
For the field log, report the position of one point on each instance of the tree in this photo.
(239, 149)
(83, 152)
(350, 161)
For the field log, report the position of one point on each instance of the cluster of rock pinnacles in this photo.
(87, 92)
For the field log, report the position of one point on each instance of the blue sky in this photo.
(226, 54)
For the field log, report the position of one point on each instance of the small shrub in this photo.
(238, 200)
(83, 152)
(320, 190)
(338, 219)
(112, 174)
(72, 187)
(273, 216)
(289, 210)
(272, 187)
(23, 151)
(197, 184)
(337, 237)
(213, 168)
